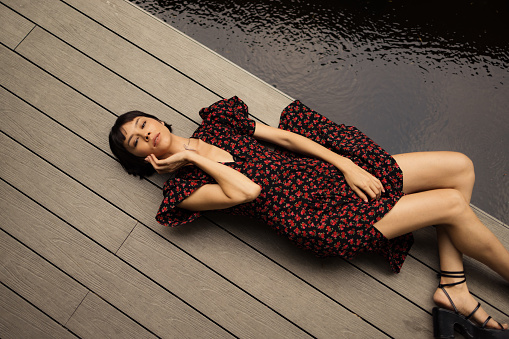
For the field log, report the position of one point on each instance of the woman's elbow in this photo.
(252, 193)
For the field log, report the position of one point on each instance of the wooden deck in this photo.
(80, 252)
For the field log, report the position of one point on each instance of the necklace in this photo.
(187, 146)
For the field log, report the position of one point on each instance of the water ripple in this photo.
(414, 76)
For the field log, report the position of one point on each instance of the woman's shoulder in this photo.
(224, 106)
(231, 115)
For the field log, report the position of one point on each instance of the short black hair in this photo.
(132, 164)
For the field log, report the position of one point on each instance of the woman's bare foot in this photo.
(465, 304)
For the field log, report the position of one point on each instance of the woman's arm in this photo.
(232, 188)
(362, 182)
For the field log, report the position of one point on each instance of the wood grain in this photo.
(13, 27)
(120, 192)
(55, 190)
(19, 319)
(37, 281)
(101, 272)
(116, 53)
(114, 94)
(340, 280)
(87, 62)
(208, 291)
(190, 57)
(95, 318)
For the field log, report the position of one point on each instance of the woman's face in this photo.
(145, 136)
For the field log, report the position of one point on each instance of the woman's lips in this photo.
(156, 139)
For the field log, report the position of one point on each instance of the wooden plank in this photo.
(19, 319)
(87, 116)
(37, 281)
(12, 155)
(74, 156)
(401, 310)
(340, 280)
(482, 281)
(372, 313)
(13, 27)
(114, 93)
(278, 288)
(416, 282)
(489, 220)
(79, 71)
(225, 303)
(117, 54)
(100, 271)
(189, 56)
(120, 191)
(55, 190)
(92, 121)
(257, 314)
(95, 318)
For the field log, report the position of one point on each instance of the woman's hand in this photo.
(170, 164)
(363, 183)
(231, 188)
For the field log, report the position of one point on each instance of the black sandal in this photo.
(444, 321)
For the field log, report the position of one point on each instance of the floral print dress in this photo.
(305, 199)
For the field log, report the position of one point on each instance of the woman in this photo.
(327, 187)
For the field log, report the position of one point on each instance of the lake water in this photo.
(413, 76)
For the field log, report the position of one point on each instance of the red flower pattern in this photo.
(304, 199)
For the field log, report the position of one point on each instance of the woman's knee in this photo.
(464, 165)
(454, 204)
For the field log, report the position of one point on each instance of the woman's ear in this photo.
(162, 122)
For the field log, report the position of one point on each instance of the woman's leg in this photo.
(424, 171)
(438, 177)
(451, 260)
(445, 181)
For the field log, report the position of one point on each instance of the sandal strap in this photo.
(452, 274)
(455, 273)
(488, 319)
(475, 310)
(452, 284)
(450, 299)
(461, 274)
(486, 322)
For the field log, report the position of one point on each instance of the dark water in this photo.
(413, 76)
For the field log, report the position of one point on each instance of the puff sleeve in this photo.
(232, 113)
(176, 190)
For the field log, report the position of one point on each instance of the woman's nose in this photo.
(147, 135)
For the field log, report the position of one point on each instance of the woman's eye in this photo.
(143, 125)
(135, 142)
